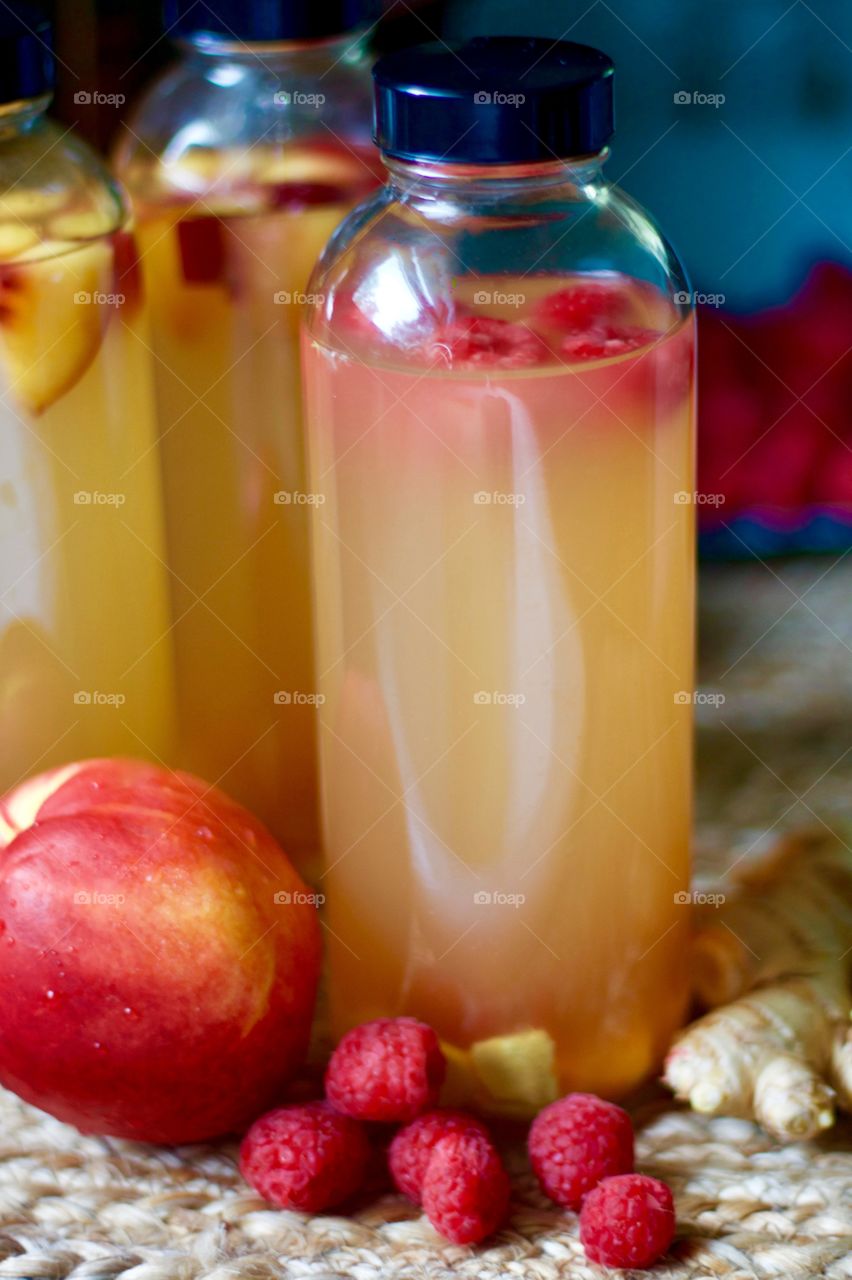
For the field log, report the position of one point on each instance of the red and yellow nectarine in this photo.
(159, 955)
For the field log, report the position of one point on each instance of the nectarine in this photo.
(159, 955)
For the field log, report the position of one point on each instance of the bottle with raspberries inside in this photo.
(498, 369)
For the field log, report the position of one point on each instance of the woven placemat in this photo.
(777, 644)
(94, 1209)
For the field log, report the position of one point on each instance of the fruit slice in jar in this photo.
(15, 238)
(50, 323)
(320, 174)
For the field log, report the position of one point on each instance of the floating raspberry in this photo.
(583, 306)
(389, 1070)
(465, 1188)
(203, 244)
(486, 342)
(412, 1147)
(305, 1157)
(575, 1142)
(600, 343)
(627, 1221)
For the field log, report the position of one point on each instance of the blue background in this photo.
(754, 190)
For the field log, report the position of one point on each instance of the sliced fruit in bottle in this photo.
(15, 238)
(27, 202)
(50, 322)
(79, 224)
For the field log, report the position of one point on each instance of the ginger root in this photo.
(772, 964)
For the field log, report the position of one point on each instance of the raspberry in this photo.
(203, 248)
(412, 1147)
(465, 1188)
(628, 1221)
(599, 343)
(582, 306)
(305, 1157)
(389, 1070)
(575, 1142)
(486, 342)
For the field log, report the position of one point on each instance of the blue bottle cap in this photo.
(27, 64)
(266, 21)
(493, 100)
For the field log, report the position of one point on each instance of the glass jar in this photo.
(240, 161)
(499, 410)
(84, 655)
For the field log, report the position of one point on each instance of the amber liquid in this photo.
(504, 578)
(226, 280)
(85, 664)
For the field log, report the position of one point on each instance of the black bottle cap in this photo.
(266, 21)
(27, 64)
(494, 99)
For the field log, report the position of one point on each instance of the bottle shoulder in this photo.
(441, 236)
(219, 110)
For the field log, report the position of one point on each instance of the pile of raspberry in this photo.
(317, 1155)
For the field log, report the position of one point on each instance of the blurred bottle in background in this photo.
(241, 160)
(84, 650)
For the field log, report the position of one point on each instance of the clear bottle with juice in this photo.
(241, 160)
(85, 664)
(499, 408)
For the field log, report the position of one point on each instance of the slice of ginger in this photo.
(519, 1069)
(512, 1075)
(15, 238)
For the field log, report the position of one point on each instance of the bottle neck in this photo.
(20, 117)
(425, 178)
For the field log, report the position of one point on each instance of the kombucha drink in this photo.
(241, 161)
(226, 289)
(504, 579)
(84, 651)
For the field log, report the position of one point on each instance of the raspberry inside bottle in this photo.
(498, 377)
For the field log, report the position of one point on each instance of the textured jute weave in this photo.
(93, 1209)
(776, 753)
